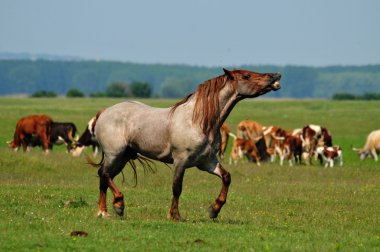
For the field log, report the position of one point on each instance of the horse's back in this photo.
(135, 125)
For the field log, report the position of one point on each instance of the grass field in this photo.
(269, 208)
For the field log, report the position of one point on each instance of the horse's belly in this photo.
(160, 152)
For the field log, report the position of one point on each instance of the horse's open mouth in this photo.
(275, 85)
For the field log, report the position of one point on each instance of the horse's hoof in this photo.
(119, 210)
(103, 214)
(118, 205)
(175, 217)
(212, 212)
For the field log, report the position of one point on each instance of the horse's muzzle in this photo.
(275, 85)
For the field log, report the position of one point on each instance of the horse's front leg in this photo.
(217, 169)
(173, 214)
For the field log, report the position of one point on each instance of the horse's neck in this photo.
(227, 101)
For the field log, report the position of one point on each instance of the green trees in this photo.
(140, 89)
(43, 93)
(174, 87)
(175, 81)
(349, 96)
(117, 90)
(74, 93)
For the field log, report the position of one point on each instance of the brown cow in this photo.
(26, 127)
(251, 130)
(244, 147)
(274, 137)
(292, 147)
(224, 131)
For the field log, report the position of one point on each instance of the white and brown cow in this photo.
(371, 147)
(274, 137)
(314, 136)
(330, 155)
(88, 137)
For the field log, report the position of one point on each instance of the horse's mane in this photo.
(206, 110)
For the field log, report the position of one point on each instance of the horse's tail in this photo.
(92, 163)
(146, 163)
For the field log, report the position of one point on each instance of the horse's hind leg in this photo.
(103, 186)
(217, 169)
(111, 167)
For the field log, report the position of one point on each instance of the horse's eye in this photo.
(246, 77)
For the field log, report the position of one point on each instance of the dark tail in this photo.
(146, 163)
(92, 163)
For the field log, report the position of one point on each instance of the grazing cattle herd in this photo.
(252, 141)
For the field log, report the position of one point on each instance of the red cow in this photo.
(26, 127)
(224, 131)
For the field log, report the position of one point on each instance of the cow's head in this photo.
(363, 154)
(11, 144)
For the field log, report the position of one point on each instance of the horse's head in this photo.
(251, 84)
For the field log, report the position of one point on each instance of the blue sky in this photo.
(196, 32)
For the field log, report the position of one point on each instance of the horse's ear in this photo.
(229, 74)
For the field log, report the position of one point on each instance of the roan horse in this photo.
(185, 135)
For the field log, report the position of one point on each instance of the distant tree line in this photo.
(349, 96)
(116, 89)
(93, 78)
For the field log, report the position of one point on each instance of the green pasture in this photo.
(269, 208)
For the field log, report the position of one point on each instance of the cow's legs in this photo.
(179, 172)
(255, 153)
(22, 139)
(217, 169)
(45, 142)
(374, 154)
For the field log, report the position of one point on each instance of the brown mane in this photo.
(206, 109)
